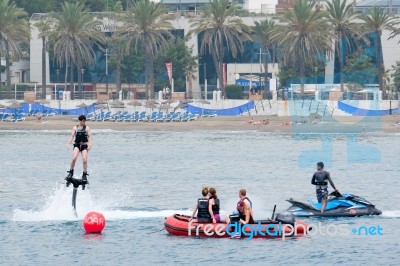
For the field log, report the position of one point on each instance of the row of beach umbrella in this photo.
(16, 105)
(151, 104)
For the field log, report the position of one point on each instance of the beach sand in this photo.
(349, 124)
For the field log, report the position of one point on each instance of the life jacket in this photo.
(203, 215)
(215, 207)
(81, 135)
(251, 204)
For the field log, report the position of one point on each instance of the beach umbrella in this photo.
(152, 102)
(116, 102)
(28, 101)
(202, 101)
(180, 106)
(151, 106)
(168, 101)
(118, 106)
(101, 106)
(42, 102)
(83, 105)
(100, 102)
(135, 103)
(185, 101)
(14, 106)
(165, 107)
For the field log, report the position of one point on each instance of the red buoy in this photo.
(94, 222)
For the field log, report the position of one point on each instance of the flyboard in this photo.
(75, 183)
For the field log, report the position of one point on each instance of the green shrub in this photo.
(234, 92)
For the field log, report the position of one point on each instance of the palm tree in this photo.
(262, 33)
(14, 30)
(342, 17)
(44, 27)
(304, 34)
(74, 36)
(376, 21)
(146, 25)
(220, 27)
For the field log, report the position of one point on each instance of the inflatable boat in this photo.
(284, 225)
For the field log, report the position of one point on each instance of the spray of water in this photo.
(58, 207)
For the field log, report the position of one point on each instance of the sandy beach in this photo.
(328, 124)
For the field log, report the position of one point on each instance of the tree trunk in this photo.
(8, 71)
(190, 83)
(266, 79)
(151, 61)
(221, 71)
(43, 96)
(118, 70)
(302, 78)
(71, 81)
(379, 63)
(1, 71)
(79, 66)
(341, 59)
(146, 76)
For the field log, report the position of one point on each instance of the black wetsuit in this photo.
(320, 179)
(215, 207)
(81, 139)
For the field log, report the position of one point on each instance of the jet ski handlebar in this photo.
(335, 193)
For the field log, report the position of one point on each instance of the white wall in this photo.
(36, 58)
(266, 6)
(254, 68)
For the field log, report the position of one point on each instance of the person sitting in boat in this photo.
(246, 200)
(213, 205)
(202, 208)
(320, 179)
(244, 213)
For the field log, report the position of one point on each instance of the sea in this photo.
(138, 178)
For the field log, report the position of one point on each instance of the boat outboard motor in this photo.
(286, 218)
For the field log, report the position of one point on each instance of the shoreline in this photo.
(351, 124)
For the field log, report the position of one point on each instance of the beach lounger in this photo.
(142, 117)
(3, 117)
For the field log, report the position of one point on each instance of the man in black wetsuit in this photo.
(320, 179)
(82, 144)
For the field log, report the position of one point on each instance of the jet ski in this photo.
(338, 205)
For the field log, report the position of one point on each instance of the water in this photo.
(139, 178)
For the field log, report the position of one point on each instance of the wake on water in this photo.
(58, 207)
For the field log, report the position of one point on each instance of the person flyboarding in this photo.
(82, 145)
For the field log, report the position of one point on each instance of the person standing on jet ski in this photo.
(320, 179)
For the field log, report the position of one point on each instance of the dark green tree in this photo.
(183, 65)
(377, 20)
(221, 28)
(14, 30)
(147, 25)
(359, 69)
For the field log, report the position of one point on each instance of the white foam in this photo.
(391, 214)
(58, 207)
